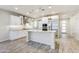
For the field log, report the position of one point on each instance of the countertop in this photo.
(34, 30)
(40, 31)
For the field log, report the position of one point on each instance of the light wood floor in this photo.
(69, 45)
(21, 46)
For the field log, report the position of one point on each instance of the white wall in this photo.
(74, 26)
(4, 22)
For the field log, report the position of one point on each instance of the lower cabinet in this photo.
(17, 34)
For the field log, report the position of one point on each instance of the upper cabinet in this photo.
(15, 20)
(52, 22)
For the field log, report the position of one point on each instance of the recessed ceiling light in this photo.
(37, 10)
(16, 8)
(50, 7)
(34, 16)
(27, 13)
(42, 14)
(53, 12)
(43, 9)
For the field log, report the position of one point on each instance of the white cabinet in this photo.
(16, 27)
(43, 37)
(17, 34)
(15, 20)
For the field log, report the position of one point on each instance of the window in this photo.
(64, 26)
(55, 22)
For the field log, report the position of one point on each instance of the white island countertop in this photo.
(43, 37)
(40, 31)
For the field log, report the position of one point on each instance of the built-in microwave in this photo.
(44, 27)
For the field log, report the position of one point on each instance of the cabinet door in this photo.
(13, 35)
(15, 20)
(17, 34)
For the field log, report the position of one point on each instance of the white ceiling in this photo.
(40, 10)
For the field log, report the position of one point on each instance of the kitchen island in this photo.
(44, 37)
